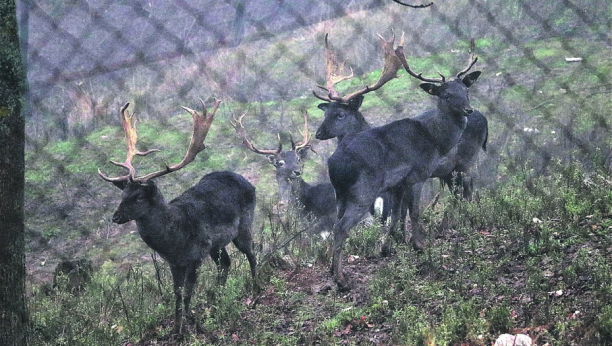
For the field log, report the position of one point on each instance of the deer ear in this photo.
(430, 88)
(471, 78)
(323, 106)
(303, 152)
(355, 102)
(149, 187)
(120, 184)
(272, 159)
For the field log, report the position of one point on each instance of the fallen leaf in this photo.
(348, 329)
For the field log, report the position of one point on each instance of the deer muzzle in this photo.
(322, 134)
(118, 218)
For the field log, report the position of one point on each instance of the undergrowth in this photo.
(516, 259)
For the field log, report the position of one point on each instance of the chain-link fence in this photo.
(545, 90)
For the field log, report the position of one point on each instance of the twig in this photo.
(433, 204)
(125, 310)
(414, 6)
(157, 275)
(269, 254)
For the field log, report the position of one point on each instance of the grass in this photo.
(493, 269)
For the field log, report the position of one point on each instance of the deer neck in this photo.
(445, 128)
(360, 125)
(299, 188)
(156, 226)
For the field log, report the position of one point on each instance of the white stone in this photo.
(513, 340)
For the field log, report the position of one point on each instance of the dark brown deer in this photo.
(342, 116)
(396, 156)
(316, 202)
(218, 210)
(342, 119)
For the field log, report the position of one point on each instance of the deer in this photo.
(219, 209)
(316, 202)
(341, 113)
(342, 117)
(396, 157)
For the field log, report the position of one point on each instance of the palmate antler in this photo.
(201, 125)
(334, 70)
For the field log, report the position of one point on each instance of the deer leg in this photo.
(407, 200)
(457, 183)
(224, 267)
(223, 263)
(351, 215)
(418, 235)
(178, 278)
(190, 281)
(340, 235)
(396, 195)
(245, 246)
(341, 208)
(468, 187)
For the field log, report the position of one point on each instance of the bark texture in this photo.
(13, 308)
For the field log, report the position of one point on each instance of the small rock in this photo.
(513, 340)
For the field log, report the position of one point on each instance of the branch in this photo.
(413, 6)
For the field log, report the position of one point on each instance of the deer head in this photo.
(453, 96)
(342, 114)
(288, 163)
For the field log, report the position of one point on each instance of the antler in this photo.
(129, 127)
(471, 59)
(305, 135)
(399, 51)
(333, 69)
(201, 125)
(333, 73)
(237, 124)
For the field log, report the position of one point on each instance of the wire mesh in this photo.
(545, 89)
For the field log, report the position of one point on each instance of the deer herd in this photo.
(390, 162)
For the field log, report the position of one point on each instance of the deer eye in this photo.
(341, 116)
(281, 163)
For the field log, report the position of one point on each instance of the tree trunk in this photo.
(13, 309)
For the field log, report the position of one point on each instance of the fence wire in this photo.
(545, 89)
